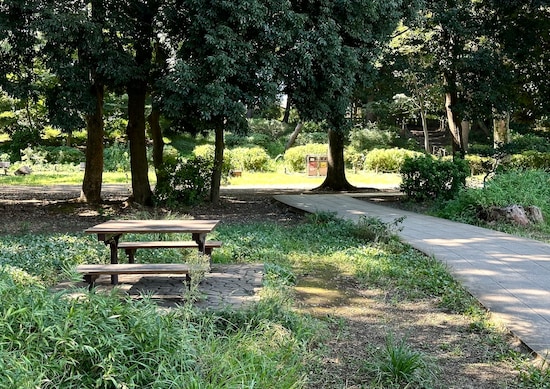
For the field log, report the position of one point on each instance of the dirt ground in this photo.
(460, 355)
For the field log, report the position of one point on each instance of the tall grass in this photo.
(521, 187)
(51, 340)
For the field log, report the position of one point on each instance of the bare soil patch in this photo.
(360, 318)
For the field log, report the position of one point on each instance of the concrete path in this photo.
(510, 276)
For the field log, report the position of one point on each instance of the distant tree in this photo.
(338, 45)
(225, 53)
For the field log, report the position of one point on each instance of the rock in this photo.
(514, 213)
(534, 214)
(23, 171)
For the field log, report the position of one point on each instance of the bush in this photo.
(529, 160)
(117, 158)
(295, 157)
(523, 187)
(63, 154)
(206, 152)
(371, 137)
(250, 158)
(479, 164)
(185, 183)
(426, 178)
(387, 160)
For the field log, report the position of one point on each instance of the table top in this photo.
(153, 226)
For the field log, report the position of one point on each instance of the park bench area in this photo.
(110, 233)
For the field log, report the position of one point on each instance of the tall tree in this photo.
(338, 43)
(224, 59)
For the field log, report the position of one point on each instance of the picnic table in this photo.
(110, 233)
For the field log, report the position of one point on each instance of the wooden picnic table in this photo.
(111, 231)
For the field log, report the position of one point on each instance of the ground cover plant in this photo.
(516, 187)
(342, 306)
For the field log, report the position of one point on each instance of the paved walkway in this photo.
(510, 276)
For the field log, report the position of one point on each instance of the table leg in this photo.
(113, 244)
(201, 241)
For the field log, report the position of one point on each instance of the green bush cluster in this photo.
(428, 178)
(523, 187)
(187, 182)
(63, 154)
(116, 158)
(295, 157)
(249, 158)
(387, 160)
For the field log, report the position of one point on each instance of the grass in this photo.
(49, 340)
(48, 177)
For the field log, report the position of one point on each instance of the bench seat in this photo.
(92, 271)
(131, 247)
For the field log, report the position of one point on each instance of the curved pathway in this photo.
(509, 275)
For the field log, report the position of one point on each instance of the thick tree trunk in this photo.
(501, 131)
(453, 119)
(218, 164)
(286, 115)
(141, 188)
(93, 173)
(336, 173)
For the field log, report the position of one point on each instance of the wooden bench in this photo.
(131, 247)
(92, 272)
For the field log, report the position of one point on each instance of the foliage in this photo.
(371, 137)
(427, 178)
(21, 139)
(295, 157)
(185, 183)
(63, 154)
(374, 230)
(529, 159)
(398, 365)
(250, 158)
(206, 153)
(116, 158)
(523, 187)
(387, 160)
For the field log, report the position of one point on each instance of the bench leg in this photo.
(90, 280)
(188, 281)
(131, 255)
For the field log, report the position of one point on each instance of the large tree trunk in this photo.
(286, 115)
(501, 130)
(453, 119)
(141, 188)
(93, 173)
(336, 173)
(218, 164)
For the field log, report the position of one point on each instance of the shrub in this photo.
(371, 137)
(63, 154)
(529, 160)
(387, 160)
(185, 183)
(116, 158)
(295, 157)
(427, 178)
(479, 164)
(206, 152)
(250, 158)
